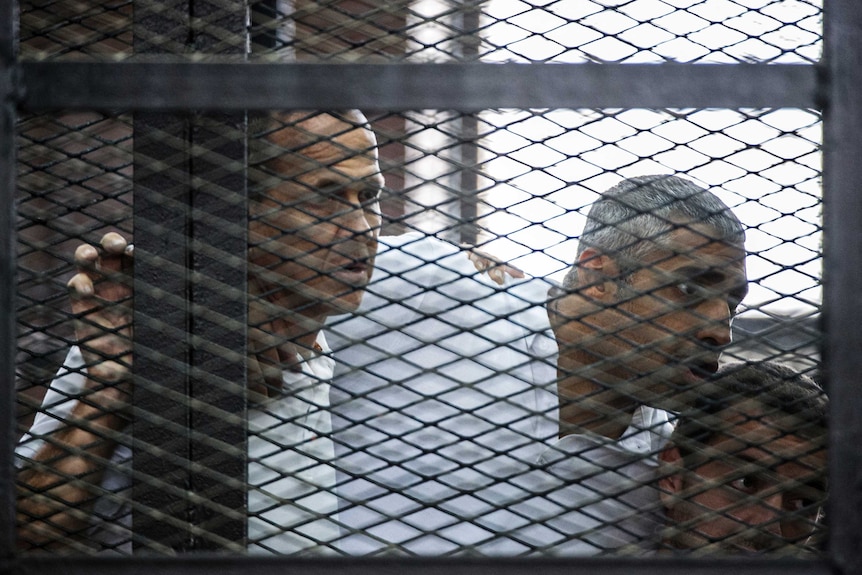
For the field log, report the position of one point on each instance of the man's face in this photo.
(663, 330)
(761, 490)
(316, 232)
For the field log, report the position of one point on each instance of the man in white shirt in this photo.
(644, 315)
(313, 230)
(449, 384)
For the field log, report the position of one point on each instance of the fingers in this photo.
(513, 271)
(94, 265)
(488, 264)
(114, 243)
(80, 286)
(497, 275)
(116, 253)
(86, 256)
(481, 262)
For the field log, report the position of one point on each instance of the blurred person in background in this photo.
(743, 472)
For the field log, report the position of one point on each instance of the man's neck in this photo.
(592, 414)
(588, 406)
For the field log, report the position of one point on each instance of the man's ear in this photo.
(597, 273)
(670, 480)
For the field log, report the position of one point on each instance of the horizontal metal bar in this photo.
(392, 87)
(198, 564)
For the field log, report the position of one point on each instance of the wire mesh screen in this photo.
(433, 30)
(499, 333)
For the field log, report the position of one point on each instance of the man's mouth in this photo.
(353, 272)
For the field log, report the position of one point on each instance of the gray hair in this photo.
(633, 217)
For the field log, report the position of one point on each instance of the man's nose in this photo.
(355, 219)
(715, 317)
(764, 514)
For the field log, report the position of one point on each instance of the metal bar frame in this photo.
(222, 565)
(832, 86)
(9, 84)
(179, 223)
(842, 277)
(224, 85)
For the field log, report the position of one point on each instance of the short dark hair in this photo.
(775, 388)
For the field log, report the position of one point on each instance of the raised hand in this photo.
(101, 296)
(58, 486)
(495, 269)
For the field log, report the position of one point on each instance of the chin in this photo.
(346, 304)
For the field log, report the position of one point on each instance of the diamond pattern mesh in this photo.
(427, 420)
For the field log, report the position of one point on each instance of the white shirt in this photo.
(291, 481)
(445, 385)
(291, 498)
(111, 517)
(592, 496)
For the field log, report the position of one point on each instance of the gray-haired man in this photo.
(456, 383)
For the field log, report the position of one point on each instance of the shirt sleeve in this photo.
(56, 405)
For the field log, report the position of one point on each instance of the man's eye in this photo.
(688, 289)
(747, 484)
(369, 196)
(806, 501)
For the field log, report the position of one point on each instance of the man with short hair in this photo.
(646, 310)
(314, 223)
(641, 322)
(457, 381)
(745, 468)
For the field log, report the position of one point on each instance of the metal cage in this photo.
(125, 68)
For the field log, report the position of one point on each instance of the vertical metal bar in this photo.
(218, 294)
(264, 22)
(219, 332)
(469, 179)
(161, 344)
(161, 518)
(8, 167)
(190, 285)
(842, 175)
(469, 204)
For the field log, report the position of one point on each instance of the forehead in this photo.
(694, 242)
(327, 144)
(775, 441)
(698, 247)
